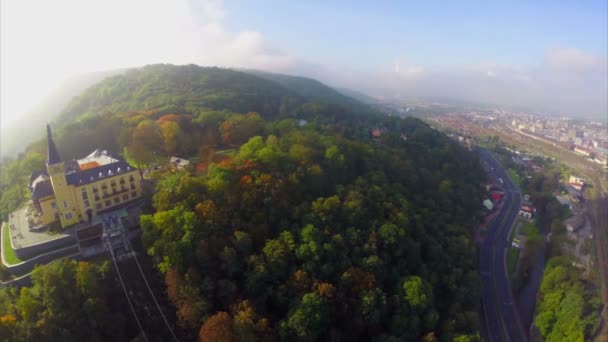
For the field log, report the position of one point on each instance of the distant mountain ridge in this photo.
(190, 89)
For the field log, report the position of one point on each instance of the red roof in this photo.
(496, 195)
(528, 209)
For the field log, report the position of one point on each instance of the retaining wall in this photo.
(33, 250)
(28, 265)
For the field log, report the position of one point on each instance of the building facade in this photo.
(75, 191)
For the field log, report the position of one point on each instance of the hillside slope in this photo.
(286, 229)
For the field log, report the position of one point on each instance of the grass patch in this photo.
(529, 229)
(514, 177)
(512, 258)
(9, 254)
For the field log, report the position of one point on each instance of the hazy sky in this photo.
(546, 54)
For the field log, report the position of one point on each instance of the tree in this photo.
(146, 143)
(218, 328)
(308, 320)
(239, 128)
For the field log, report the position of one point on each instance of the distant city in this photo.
(584, 137)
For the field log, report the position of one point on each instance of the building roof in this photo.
(40, 185)
(488, 204)
(86, 176)
(52, 154)
(527, 209)
(95, 159)
(179, 162)
(575, 221)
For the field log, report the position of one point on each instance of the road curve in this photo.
(501, 316)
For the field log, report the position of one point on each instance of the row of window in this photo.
(68, 216)
(54, 204)
(85, 196)
(98, 206)
(116, 200)
(113, 183)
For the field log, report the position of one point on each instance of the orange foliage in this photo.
(7, 320)
(201, 167)
(246, 180)
(247, 165)
(207, 210)
(174, 280)
(300, 281)
(218, 328)
(169, 117)
(360, 280)
(325, 290)
(226, 163)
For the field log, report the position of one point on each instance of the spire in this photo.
(53, 155)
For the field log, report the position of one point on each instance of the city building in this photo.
(179, 163)
(75, 191)
(527, 212)
(575, 223)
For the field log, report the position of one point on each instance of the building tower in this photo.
(63, 194)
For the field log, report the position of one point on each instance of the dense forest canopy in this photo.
(295, 224)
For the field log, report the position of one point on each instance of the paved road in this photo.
(501, 316)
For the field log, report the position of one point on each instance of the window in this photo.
(54, 205)
(133, 194)
(96, 198)
(95, 190)
(108, 203)
(116, 200)
(84, 195)
(68, 216)
(56, 216)
(132, 186)
(104, 186)
(125, 197)
(86, 203)
(65, 204)
(98, 206)
(131, 178)
(122, 180)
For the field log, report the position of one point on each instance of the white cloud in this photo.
(572, 60)
(45, 42)
(567, 81)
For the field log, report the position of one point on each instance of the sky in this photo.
(547, 55)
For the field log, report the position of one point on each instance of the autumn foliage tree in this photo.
(218, 328)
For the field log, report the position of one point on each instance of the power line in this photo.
(124, 288)
(150, 290)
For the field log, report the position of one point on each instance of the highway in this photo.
(597, 202)
(501, 316)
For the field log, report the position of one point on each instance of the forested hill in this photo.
(191, 89)
(295, 224)
(312, 89)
